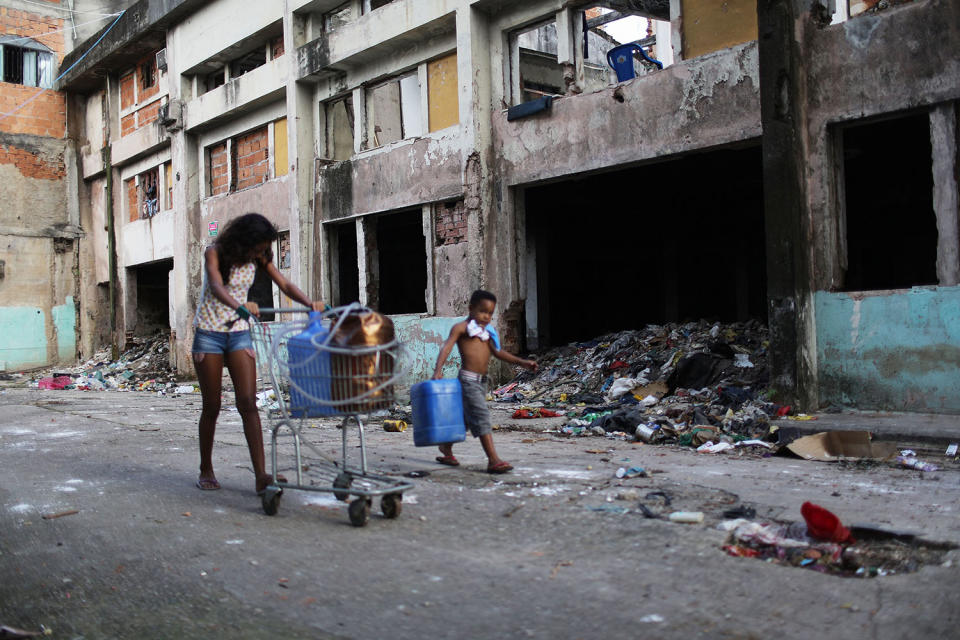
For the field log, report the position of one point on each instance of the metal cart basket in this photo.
(312, 375)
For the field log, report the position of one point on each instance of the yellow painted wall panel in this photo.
(281, 157)
(443, 93)
(711, 25)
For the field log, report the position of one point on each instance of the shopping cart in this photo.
(314, 375)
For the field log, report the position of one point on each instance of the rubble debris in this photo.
(908, 458)
(681, 384)
(144, 366)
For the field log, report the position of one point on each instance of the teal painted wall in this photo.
(422, 339)
(892, 351)
(65, 323)
(23, 337)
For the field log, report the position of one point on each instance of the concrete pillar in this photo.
(783, 98)
(946, 192)
(302, 157)
(190, 237)
(473, 73)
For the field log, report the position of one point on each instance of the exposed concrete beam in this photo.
(657, 9)
(140, 30)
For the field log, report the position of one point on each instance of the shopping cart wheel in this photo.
(271, 500)
(342, 481)
(391, 505)
(360, 511)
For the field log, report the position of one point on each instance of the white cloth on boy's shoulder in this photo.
(474, 330)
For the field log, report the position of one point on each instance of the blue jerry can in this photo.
(309, 370)
(437, 412)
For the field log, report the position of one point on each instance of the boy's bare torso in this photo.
(474, 352)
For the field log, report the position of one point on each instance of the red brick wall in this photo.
(32, 165)
(132, 208)
(128, 96)
(128, 124)
(450, 223)
(251, 159)
(148, 114)
(45, 115)
(219, 177)
(133, 93)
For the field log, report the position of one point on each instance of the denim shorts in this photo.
(220, 341)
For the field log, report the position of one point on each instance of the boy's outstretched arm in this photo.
(506, 356)
(455, 332)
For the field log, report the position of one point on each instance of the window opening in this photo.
(606, 29)
(283, 250)
(373, 5)
(248, 62)
(149, 193)
(215, 79)
(168, 174)
(337, 18)
(148, 75)
(346, 271)
(30, 65)
(393, 111)
(340, 129)
(891, 226)
(402, 262)
(534, 63)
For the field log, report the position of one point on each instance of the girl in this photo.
(222, 334)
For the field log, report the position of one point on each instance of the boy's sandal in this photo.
(450, 461)
(500, 467)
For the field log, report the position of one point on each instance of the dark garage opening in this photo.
(153, 298)
(402, 263)
(673, 241)
(891, 225)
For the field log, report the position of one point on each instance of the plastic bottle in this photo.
(687, 517)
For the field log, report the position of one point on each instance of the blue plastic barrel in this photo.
(309, 370)
(437, 412)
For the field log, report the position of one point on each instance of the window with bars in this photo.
(25, 62)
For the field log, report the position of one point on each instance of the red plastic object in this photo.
(56, 384)
(784, 411)
(823, 525)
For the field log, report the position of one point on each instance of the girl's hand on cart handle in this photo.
(248, 309)
(319, 305)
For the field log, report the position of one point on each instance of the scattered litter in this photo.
(144, 366)
(51, 516)
(908, 458)
(952, 451)
(632, 472)
(395, 426)
(13, 632)
(686, 517)
(829, 446)
(536, 412)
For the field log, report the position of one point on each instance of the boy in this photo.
(477, 341)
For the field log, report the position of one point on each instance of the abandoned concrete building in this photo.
(792, 161)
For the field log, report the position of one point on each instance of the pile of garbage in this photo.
(692, 384)
(143, 366)
(822, 543)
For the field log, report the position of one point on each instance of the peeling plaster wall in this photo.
(709, 101)
(423, 337)
(890, 350)
(878, 349)
(400, 175)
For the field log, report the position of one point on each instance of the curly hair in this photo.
(240, 238)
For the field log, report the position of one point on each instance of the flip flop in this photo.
(500, 467)
(450, 461)
(207, 484)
